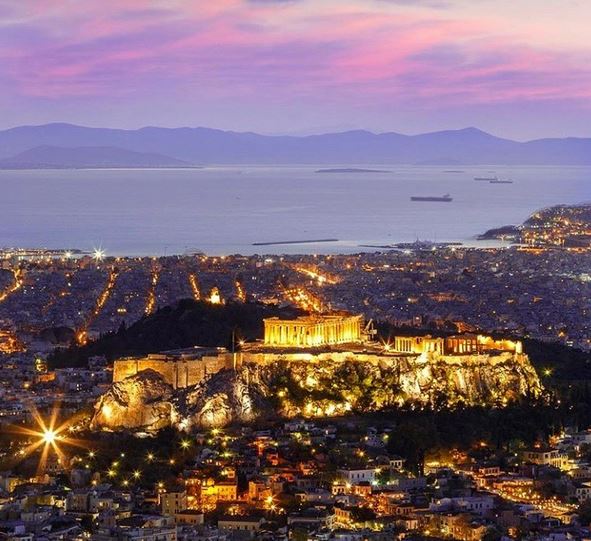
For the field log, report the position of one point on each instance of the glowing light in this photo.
(304, 299)
(195, 287)
(315, 274)
(82, 334)
(240, 291)
(215, 296)
(185, 444)
(98, 254)
(270, 503)
(17, 284)
(107, 411)
(49, 436)
(151, 301)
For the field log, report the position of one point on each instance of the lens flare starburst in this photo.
(48, 436)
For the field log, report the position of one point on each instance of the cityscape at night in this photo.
(295, 270)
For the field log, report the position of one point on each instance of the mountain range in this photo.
(52, 157)
(67, 145)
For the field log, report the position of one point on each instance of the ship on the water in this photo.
(486, 179)
(499, 181)
(441, 199)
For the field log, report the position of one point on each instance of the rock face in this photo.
(140, 401)
(314, 389)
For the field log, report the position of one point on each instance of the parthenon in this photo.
(311, 331)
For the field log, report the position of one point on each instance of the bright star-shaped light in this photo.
(98, 254)
(49, 436)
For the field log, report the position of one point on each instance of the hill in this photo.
(186, 324)
(190, 323)
(210, 146)
(52, 157)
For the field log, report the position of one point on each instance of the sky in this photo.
(516, 68)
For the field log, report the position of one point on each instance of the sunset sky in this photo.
(516, 68)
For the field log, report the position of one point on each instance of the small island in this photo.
(352, 170)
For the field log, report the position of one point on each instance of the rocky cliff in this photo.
(313, 389)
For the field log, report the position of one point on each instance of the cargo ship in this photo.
(442, 199)
(499, 181)
(486, 179)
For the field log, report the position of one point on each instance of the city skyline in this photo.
(300, 67)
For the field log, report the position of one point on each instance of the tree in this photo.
(492, 535)
(584, 513)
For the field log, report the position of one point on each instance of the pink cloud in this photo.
(274, 51)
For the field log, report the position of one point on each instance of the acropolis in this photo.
(335, 337)
(310, 353)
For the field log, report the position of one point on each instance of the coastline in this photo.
(343, 248)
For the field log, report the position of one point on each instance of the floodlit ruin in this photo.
(214, 386)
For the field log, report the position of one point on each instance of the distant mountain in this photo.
(209, 146)
(52, 157)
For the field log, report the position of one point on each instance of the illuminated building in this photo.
(179, 368)
(9, 342)
(547, 457)
(172, 502)
(313, 331)
(215, 296)
(206, 493)
(464, 344)
(185, 367)
(326, 340)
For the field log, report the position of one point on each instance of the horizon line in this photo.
(291, 135)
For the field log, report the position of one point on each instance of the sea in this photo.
(224, 210)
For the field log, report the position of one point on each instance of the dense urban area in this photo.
(470, 472)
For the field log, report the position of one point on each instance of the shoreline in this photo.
(353, 249)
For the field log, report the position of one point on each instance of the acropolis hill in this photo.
(317, 365)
